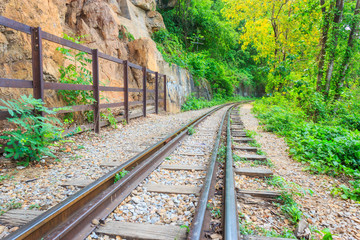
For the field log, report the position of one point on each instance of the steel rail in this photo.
(200, 221)
(71, 219)
(231, 222)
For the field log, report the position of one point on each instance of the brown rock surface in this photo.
(155, 21)
(147, 5)
(100, 21)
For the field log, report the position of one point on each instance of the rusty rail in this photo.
(201, 221)
(71, 219)
(231, 219)
(39, 85)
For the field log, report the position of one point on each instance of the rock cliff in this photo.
(120, 28)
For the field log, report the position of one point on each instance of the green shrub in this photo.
(327, 145)
(120, 175)
(33, 134)
(191, 130)
(194, 103)
(76, 72)
(110, 117)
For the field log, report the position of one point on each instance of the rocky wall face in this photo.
(108, 25)
(179, 85)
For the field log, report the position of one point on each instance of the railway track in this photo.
(239, 198)
(176, 189)
(80, 214)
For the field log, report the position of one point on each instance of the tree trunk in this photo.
(348, 52)
(323, 41)
(337, 19)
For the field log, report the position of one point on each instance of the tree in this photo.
(309, 40)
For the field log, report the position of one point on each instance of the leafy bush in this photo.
(194, 103)
(76, 72)
(110, 117)
(31, 138)
(328, 146)
(202, 64)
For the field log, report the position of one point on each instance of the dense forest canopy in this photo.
(303, 54)
(274, 44)
(199, 37)
(304, 42)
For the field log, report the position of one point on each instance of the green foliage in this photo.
(120, 175)
(289, 207)
(127, 34)
(247, 228)
(32, 206)
(221, 156)
(216, 213)
(12, 204)
(251, 133)
(320, 137)
(260, 152)
(5, 177)
(326, 234)
(191, 130)
(185, 226)
(189, 41)
(345, 192)
(33, 134)
(76, 72)
(237, 158)
(254, 144)
(194, 103)
(110, 117)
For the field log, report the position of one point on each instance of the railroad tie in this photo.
(253, 157)
(142, 230)
(190, 154)
(18, 217)
(183, 167)
(110, 164)
(259, 193)
(172, 189)
(254, 172)
(77, 183)
(237, 127)
(249, 149)
(238, 133)
(243, 139)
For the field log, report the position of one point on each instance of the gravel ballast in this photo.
(38, 186)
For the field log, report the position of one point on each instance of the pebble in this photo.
(95, 222)
(13, 229)
(136, 200)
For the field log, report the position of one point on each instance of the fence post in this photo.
(126, 91)
(96, 92)
(144, 91)
(156, 93)
(37, 63)
(165, 93)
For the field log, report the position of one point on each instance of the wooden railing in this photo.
(39, 85)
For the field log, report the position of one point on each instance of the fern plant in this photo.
(33, 133)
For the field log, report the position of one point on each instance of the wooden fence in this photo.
(39, 85)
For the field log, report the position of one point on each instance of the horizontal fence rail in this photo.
(39, 85)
